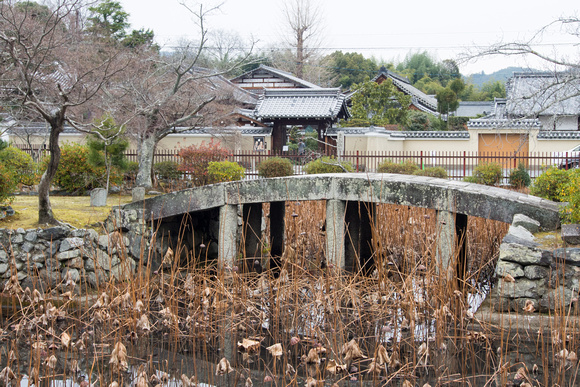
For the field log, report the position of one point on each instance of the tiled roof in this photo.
(421, 100)
(302, 103)
(278, 73)
(543, 93)
(431, 134)
(558, 135)
(247, 130)
(406, 134)
(499, 123)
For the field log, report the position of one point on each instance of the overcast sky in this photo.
(384, 29)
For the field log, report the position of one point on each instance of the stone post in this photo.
(227, 235)
(451, 244)
(335, 251)
(445, 243)
(98, 197)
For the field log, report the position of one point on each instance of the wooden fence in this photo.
(458, 164)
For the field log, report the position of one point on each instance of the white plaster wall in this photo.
(559, 123)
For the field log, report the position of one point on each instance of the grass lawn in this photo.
(74, 210)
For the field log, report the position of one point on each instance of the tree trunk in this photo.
(300, 54)
(45, 214)
(145, 150)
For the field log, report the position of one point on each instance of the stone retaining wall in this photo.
(547, 278)
(56, 253)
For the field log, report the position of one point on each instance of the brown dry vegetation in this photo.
(310, 324)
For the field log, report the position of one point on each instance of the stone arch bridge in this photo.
(217, 209)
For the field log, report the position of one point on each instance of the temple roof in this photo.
(302, 103)
(421, 100)
(268, 77)
(543, 93)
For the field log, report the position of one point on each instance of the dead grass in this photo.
(74, 210)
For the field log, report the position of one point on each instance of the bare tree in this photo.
(544, 93)
(304, 20)
(170, 94)
(51, 70)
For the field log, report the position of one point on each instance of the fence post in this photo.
(357, 160)
(421, 160)
(464, 163)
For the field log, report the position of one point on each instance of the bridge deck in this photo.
(419, 191)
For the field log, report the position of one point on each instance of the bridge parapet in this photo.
(418, 191)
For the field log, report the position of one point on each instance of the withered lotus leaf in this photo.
(223, 367)
(249, 345)
(276, 350)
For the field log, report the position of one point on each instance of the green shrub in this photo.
(167, 170)
(275, 167)
(21, 163)
(327, 165)
(432, 172)
(221, 171)
(8, 184)
(571, 193)
(195, 160)
(405, 168)
(486, 173)
(519, 177)
(419, 121)
(76, 175)
(549, 184)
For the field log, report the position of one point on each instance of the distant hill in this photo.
(500, 75)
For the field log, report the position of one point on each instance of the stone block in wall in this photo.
(526, 222)
(53, 233)
(535, 272)
(522, 288)
(38, 258)
(27, 247)
(568, 276)
(138, 243)
(520, 235)
(95, 279)
(76, 263)
(73, 274)
(560, 298)
(523, 255)
(505, 267)
(124, 269)
(3, 256)
(70, 254)
(17, 239)
(71, 243)
(3, 268)
(570, 255)
(31, 236)
(571, 234)
(48, 278)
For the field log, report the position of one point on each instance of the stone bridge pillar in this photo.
(227, 235)
(335, 247)
(451, 244)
